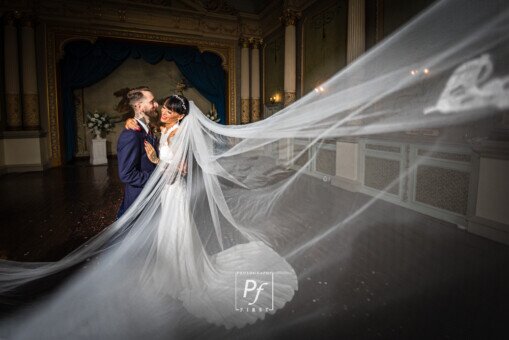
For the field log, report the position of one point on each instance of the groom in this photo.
(134, 168)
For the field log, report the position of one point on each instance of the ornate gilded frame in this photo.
(57, 36)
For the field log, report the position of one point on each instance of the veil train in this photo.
(262, 207)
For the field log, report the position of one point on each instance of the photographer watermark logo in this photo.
(254, 291)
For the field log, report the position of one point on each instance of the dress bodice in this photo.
(165, 152)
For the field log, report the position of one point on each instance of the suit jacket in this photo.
(134, 167)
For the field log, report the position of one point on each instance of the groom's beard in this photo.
(152, 114)
(153, 118)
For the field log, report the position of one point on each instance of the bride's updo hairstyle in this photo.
(177, 103)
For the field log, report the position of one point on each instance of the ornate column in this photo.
(356, 36)
(12, 104)
(29, 72)
(348, 151)
(244, 81)
(255, 79)
(289, 19)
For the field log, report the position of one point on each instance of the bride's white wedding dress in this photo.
(207, 285)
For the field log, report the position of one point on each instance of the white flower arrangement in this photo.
(212, 114)
(99, 122)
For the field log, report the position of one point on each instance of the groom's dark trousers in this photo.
(134, 167)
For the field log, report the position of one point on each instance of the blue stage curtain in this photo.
(84, 64)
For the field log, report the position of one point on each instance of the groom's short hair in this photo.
(135, 94)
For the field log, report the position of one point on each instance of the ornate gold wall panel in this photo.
(255, 110)
(31, 111)
(289, 98)
(13, 113)
(58, 35)
(244, 115)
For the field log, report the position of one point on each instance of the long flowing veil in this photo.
(421, 97)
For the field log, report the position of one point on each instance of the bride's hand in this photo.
(132, 124)
(151, 153)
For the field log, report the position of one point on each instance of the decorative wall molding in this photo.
(320, 58)
(408, 162)
(418, 165)
(250, 26)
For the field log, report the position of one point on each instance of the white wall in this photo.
(493, 190)
(346, 160)
(23, 152)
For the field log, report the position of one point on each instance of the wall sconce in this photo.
(276, 98)
(416, 72)
(319, 89)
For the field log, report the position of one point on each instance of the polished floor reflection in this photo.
(396, 274)
(44, 215)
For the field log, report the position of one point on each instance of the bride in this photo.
(182, 268)
(185, 244)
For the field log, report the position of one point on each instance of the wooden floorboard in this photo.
(404, 277)
(44, 215)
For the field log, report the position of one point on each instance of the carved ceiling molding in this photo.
(110, 13)
(153, 2)
(251, 29)
(220, 6)
(214, 18)
(212, 6)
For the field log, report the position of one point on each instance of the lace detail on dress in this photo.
(165, 153)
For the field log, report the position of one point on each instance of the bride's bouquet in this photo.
(99, 122)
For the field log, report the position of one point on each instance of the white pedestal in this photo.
(98, 152)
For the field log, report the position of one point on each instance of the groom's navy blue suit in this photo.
(134, 167)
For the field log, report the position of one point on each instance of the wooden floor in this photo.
(44, 215)
(394, 280)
